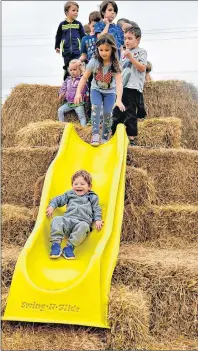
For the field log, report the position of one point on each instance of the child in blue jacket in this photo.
(69, 35)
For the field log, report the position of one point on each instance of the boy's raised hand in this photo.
(106, 21)
(99, 225)
(49, 211)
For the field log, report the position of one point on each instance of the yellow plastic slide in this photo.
(76, 291)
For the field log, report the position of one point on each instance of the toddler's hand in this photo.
(78, 99)
(61, 96)
(120, 105)
(49, 211)
(99, 225)
(57, 50)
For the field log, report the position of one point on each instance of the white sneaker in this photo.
(95, 140)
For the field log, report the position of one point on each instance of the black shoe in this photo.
(132, 143)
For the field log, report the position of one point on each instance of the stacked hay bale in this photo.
(162, 98)
(156, 266)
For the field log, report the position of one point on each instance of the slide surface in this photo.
(77, 291)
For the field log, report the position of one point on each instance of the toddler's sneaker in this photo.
(95, 140)
(68, 252)
(55, 250)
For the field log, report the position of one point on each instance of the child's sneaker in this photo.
(55, 250)
(68, 252)
(132, 143)
(95, 140)
(89, 123)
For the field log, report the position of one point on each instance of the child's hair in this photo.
(94, 16)
(81, 66)
(149, 67)
(132, 23)
(87, 29)
(134, 30)
(68, 4)
(85, 175)
(109, 40)
(104, 5)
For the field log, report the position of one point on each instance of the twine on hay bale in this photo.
(143, 223)
(129, 319)
(22, 167)
(174, 172)
(17, 224)
(170, 278)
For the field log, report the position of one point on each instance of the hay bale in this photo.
(129, 319)
(169, 90)
(178, 221)
(28, 102)
(10, 255)
(160, 132)
(21, 168)
(153, 132)
(4, 296)
(170, 277)
(178, 99)
(33, 103)
(47, 133)
(17, 224)
(38, 336)
(139, 189)
(174, 172)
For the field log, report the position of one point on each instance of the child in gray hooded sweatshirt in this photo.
(82, 210)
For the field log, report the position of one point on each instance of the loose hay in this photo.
(171, 280)
(17, 224)
(129, 319)
(21, 168)
(174, 172)
(156, 222)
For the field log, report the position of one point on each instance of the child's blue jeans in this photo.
(80, 111)
(108, 100)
